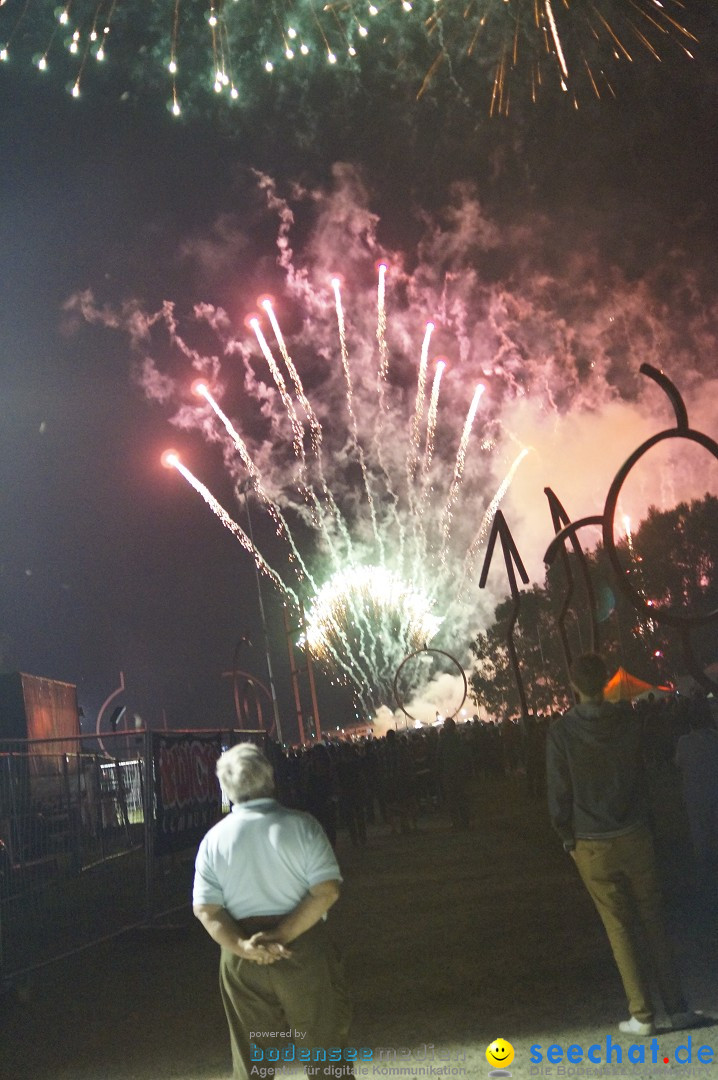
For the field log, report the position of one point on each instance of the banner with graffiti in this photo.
(188, 799)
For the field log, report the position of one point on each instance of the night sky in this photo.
(109, 562)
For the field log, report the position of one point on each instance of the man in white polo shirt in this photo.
(265, 878)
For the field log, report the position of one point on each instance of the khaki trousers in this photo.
(304, 993)
(620, 875)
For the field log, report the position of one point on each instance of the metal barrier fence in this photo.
(78, 861)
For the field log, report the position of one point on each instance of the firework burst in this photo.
(365, 519)
(494, 50)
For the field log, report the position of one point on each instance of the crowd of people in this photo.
(354, 782)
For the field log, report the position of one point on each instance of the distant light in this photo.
(200, 388)
(268, 65)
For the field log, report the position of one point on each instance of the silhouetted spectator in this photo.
(454, 769)
(697, 758)
(352, 797)
(398, 783)
(320, 789)
(598, 808)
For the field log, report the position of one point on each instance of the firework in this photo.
(384, 565)
(498, 50)
(171, 460)
(521, 46)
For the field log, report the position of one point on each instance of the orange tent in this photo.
(624, 687)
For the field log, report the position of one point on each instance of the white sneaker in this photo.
(681, 1021)
(636, 1027)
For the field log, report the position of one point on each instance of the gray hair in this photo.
(244, 773)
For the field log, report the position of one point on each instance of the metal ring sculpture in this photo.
(438, 652)
(685, 622)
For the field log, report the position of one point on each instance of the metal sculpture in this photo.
(685, 622)
(560, 518)
(513, 562)
(419, 652)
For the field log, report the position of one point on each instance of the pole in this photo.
(312, 688)
(149, 816)
(265, 636)
(295, 677)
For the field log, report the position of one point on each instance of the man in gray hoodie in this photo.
(598, 806)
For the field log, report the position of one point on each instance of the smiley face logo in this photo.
(500, 1053)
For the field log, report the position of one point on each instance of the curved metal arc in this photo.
(418, 652)
(103, 709)
(671, 390)
(566, 533)
(664, 615)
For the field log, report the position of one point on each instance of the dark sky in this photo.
(107, 561)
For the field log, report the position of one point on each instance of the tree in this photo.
(540, 658)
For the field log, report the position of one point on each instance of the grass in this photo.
(451, 939)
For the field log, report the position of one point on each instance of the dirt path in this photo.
(451, 940)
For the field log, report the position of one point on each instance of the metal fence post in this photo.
(149, 826)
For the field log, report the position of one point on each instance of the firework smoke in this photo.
(563, 406)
